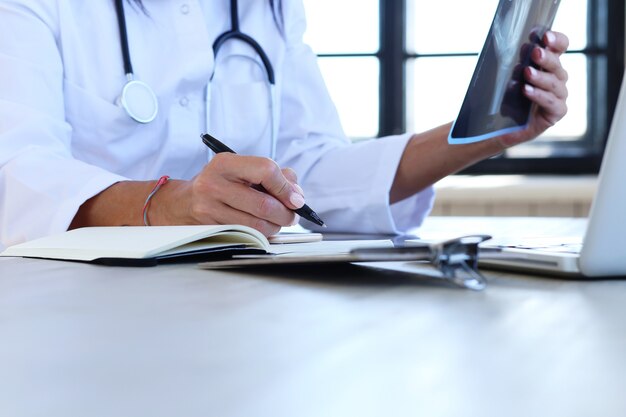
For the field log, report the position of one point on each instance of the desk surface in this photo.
(83, 340)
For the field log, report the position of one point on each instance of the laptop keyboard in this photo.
(543, 244)
(574, 248)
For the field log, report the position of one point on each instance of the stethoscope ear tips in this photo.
(139, 101)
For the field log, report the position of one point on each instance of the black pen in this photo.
(218, 147)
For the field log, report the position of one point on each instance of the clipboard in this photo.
(456, 259)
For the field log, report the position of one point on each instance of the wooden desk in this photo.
(81, 340)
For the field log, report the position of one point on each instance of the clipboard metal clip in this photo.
(457, 259)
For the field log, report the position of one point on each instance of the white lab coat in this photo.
(63, 139)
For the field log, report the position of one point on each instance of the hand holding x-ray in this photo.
(495, 103)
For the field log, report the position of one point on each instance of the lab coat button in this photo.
(184, 101)
(184, 9)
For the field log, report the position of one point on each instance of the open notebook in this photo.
(142, 245)
(602, 252)
(148, 246)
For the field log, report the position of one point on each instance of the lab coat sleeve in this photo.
(41, 184)
(347, 184)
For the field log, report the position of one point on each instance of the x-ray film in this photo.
(495, 103)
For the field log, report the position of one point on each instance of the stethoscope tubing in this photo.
(137, 93)
(137, 98)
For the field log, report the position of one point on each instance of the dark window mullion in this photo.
(392, 73)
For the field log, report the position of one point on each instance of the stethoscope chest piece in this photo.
(139, 101)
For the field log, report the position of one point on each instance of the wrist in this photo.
(146, 205)
(169, 205)
(496, 146)
(512, 139)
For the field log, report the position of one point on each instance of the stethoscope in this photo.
(141, 103)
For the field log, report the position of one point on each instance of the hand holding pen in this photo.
(304, 211)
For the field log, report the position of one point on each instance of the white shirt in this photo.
(63, 138)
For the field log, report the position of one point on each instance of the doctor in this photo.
(74, 152)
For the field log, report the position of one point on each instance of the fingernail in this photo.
(529, 88)
(550, 37)
(296, 199)
(533, 72)
(299, 189)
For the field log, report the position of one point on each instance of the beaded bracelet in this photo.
(160, 182)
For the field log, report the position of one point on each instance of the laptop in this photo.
(603, 249)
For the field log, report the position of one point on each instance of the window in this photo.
(396, 66)
(346, 36)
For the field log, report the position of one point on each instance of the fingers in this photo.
(546, 86)
(550, 62)
(290, 174)
(253, 170)
(548, 58)
(552, 108)
(546, 81)
(256, 203)
(556, 42)
(219, 201)
(246, 190)
(229, 215)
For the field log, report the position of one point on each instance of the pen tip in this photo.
(316, 219)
